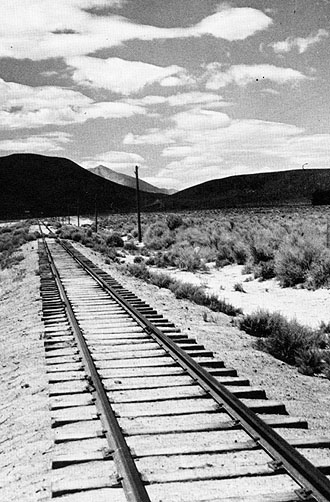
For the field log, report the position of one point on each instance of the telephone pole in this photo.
(96, 214)
(138, 203)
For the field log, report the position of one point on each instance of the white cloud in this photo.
(203, 146)
(233, 24)
(41, 29)
(119, 75)
(152, 137)
(193, 98)
(244, 74)
(117, 160)
(200, 120)
(300, 43)
(22, 106)
(179, 80)
(205, 100)
(48, 142)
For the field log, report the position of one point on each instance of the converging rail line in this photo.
(143, 413)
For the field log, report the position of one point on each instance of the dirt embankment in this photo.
(25, 429)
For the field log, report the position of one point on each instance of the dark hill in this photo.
(264, 189)
(126, 180)
(35, 184)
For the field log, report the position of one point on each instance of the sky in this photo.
(188, 90)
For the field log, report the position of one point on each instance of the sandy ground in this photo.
(304, 397)
(25, 431)
(307, 307)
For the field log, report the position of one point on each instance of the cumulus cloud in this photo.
(117, 160)
(299, 43)
(119, 75)
(243, 74)
(40, 29)
(43, 143)
(22, 106)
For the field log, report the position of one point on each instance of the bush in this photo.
(185, 257)
(286, 340)
(130, 246)
(174, 221)
(138, 259)
(238, 287)
(265, 270)
(158, 236)
(138, 270)
(161, 280)
(114, 240)
(261, 323)
(296, 260)
(183, 290)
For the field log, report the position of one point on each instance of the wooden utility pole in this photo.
(78, 213)
(96, 215)
(138, 203)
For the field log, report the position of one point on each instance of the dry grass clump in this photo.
(289, 341)
(103, 242)
(181, 290)
(11, 239)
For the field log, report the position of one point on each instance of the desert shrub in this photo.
(181, 290)
(261, 323)
(238, 287)
(324, 327)
(138, 270)
(185, 290)
(319, 274)
(161, 280)
(138, 259)
(174, 221)
(114, 240)
(297, 258)
(5, 230)
(264, 270)
(185, 257)
(286, 340)
(76, 236)
(130, 246)
(225, 255)
(8, 260)
(219, 305)
(309, 361)
(158, 236)
(11, 239)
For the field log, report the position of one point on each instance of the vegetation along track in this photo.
(142, 412)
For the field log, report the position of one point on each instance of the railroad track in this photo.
(142, 412)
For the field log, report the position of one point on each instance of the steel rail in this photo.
(129, 476)
(314, 484)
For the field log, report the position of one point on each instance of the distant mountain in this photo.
(35, 184)
(264, 189)
(126, 180)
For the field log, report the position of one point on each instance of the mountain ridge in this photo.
(127, 180)
(34, 184)
(292, 187)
